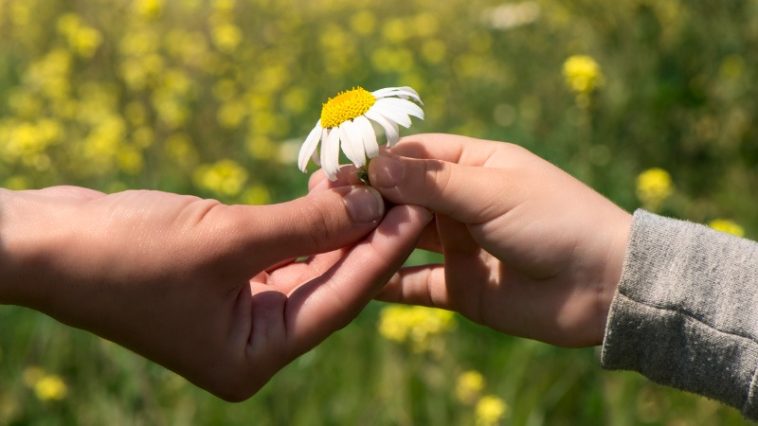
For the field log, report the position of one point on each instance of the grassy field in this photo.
(652, 102)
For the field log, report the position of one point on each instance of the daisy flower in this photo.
(346, 121)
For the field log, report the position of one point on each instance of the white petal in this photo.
(309, 147)
(368, 135)
(390, 130)
(402, 92)
(382, 107)
(316, 157)
(352, 143)
(407, 107)
(330, 153)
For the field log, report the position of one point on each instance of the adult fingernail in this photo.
(387, 171)
(364, 204)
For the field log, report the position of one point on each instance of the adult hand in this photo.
(528, 249)
(209, 290)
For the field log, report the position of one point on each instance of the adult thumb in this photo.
(319, 222)
(467, 194)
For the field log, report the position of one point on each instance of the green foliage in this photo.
(213, 98)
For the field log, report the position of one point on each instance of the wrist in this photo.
(614, 268)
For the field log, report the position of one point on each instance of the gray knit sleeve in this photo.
(686, 311)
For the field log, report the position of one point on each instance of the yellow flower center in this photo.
(345, 106)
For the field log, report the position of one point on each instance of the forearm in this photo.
(685, 311)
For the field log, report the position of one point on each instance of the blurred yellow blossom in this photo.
(25, 140)
(226, 36)
(50, 74)
(143, 136)
(295, 99)
(396, 30)
(224, 177)
(230, 114)
(24, 103)
(261, 147)
(654, 186)
(148, 8)
(171, 109)
(468, 386)
(46, 386)
(256, 194)
(20, 12)
(271, 79)
(582, 73)
(223, 5)
(82, 39)
(129, 159)
(433, 51)
(425, 24)
(583, 76)
(139, 42)
(363, 22)
(416, 325)
(490, 410)
(385, 59)
(50, 387)
(189, 46)
(728, 226)
(176, 81)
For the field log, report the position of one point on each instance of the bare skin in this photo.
(208, 290)
(528, 249)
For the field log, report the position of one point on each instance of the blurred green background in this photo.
(652, 102)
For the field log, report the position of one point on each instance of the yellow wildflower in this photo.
(230, 114)
(129, 159)
(396, 30)
(50, 74)
(490, 410)
(47, 387)
(148, 8)
(469, 386)
(83, 40)
(728, 226)
(225, 6)
(416, 325)
(582, 74)
(654, 186)
(224, 177)
(51, 387)
(226, 36)
(433, 51)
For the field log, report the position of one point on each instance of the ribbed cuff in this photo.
(686, 311)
